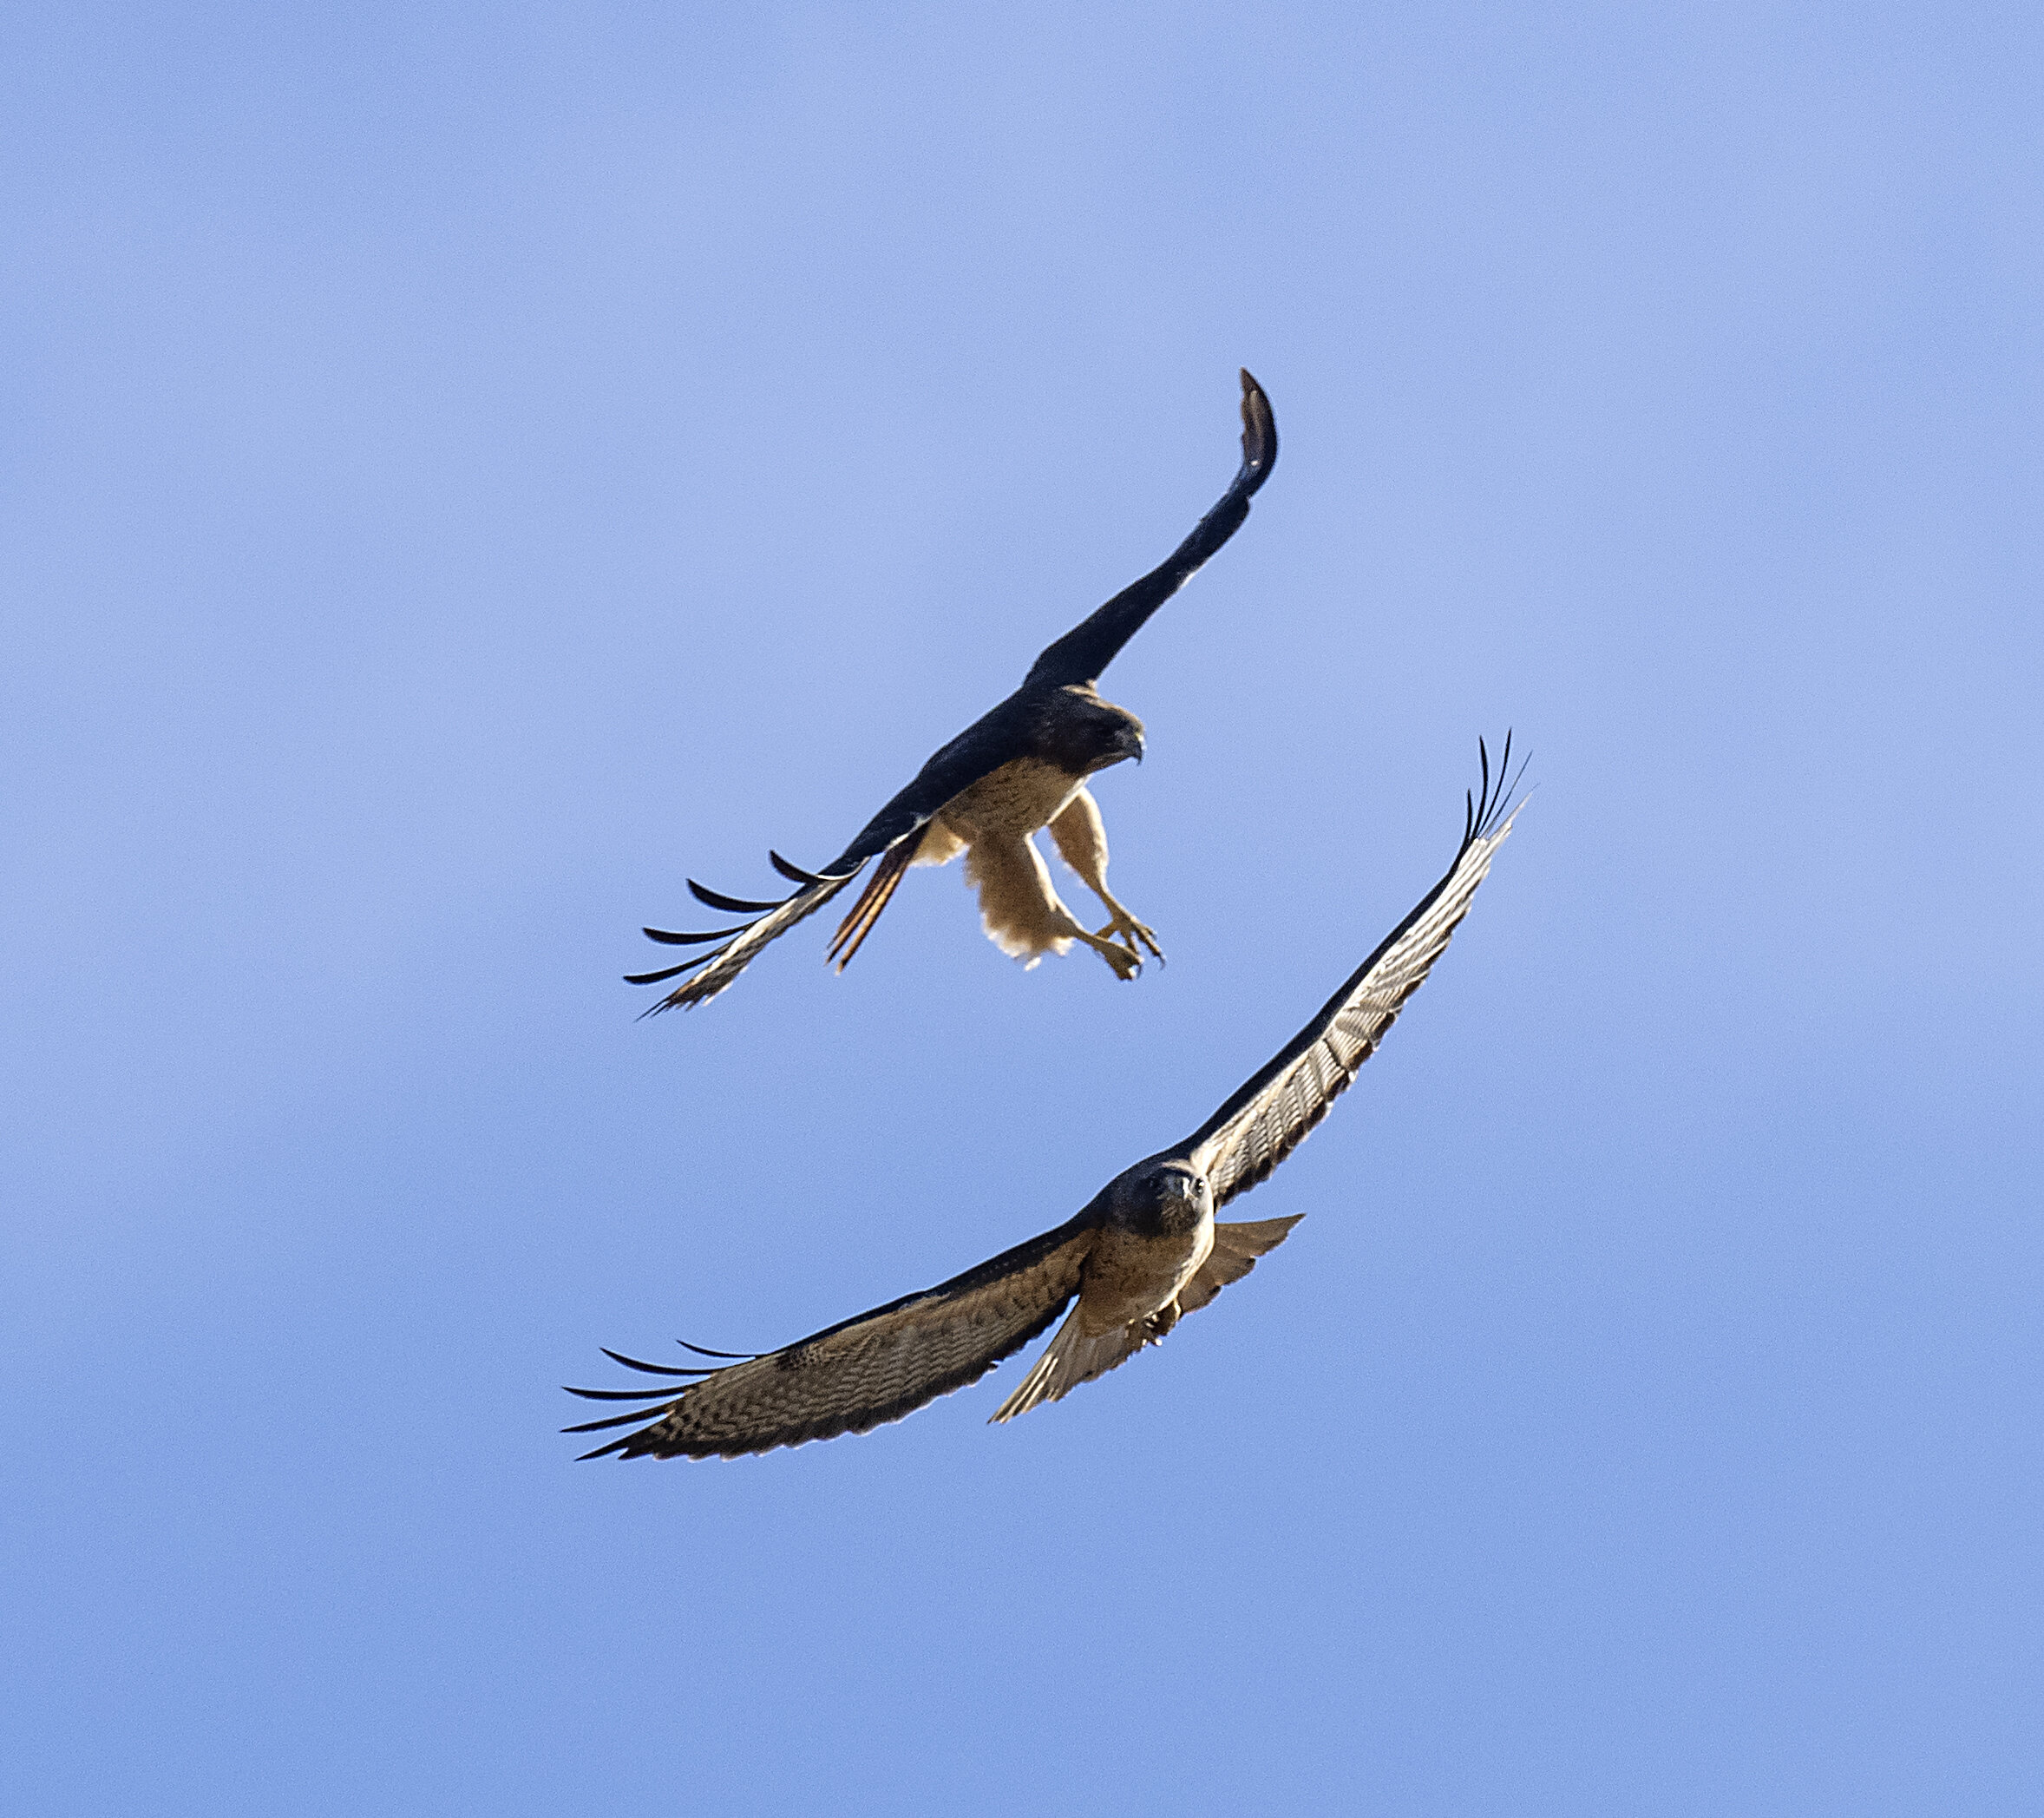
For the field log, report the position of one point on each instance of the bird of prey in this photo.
(1146, 1251)
(1021, 766)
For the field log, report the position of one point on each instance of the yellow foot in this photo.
(1128, 928)
(1126, 963)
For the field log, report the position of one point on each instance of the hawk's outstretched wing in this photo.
(995, 739)
(737, 946)
(857, 1375)
(1257, 1128)
(1086, 650)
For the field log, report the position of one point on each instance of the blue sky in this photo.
(468, 467)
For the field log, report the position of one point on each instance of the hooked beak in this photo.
(1128, 742)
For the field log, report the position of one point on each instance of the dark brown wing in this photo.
(864, 1371)
(1086, 650)
(716, 970)
(1257, 1128)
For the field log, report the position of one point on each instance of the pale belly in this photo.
(1129, 1277)
(1015, 800)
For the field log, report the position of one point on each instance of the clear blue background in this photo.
(466, 467)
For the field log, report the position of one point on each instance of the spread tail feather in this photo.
(852, 932)
(1070, 1359)
(1235, 1249)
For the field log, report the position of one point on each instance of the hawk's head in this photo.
(1164, 1199)
(1085, 733)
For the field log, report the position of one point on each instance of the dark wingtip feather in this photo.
(655, 978)
(602, 1451)
(652, 978)
(730, 905)
(666, 1392)
(795, 874)
(668, 937)
(1494, 803)
(704, 1351)
(616, 1420)
(651, 1369)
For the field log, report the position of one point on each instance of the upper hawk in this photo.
(1020, 767)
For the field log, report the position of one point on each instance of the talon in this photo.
(1126, 964)
(1129, 931)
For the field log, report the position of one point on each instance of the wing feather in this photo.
(1086, 650)
(872, 1368)
(1272, 1113)
(716, 970)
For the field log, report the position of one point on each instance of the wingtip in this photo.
(1496, 804)
(704, 1350)
(795, 874)
(672, 937)
(1260, 440)
(730, 905)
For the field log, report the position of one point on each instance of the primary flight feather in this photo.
(1020, 767)
(1146, 1252)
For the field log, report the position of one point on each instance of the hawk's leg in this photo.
(1081, 840)
(1021, 910)
(1126, 962)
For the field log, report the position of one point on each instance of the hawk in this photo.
(1144, 1253)
(1021, 766)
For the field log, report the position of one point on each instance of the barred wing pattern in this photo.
(865, 1371)
(715, 971)
(1256, 1129)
